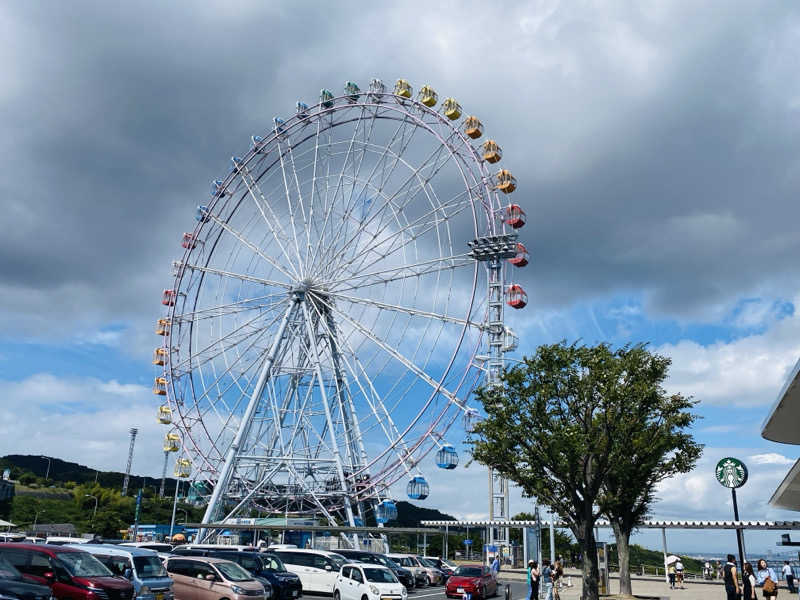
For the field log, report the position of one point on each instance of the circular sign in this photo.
(731, 472)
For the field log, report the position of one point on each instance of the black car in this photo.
(13, 585)
(405, 576)
(267, 568)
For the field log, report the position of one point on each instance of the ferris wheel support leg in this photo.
(329, 419)
(230, 458)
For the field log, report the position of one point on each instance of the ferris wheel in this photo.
(339, 297)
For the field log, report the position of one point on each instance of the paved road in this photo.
(519, 591)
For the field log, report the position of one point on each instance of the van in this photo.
(141, 567)
(317, 569)
(71, 574)
(231, 547)
(205, 578)
(410, 562)
(57, 540)
(157, 546)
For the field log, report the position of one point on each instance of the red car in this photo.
(71, 574)
(475, 580)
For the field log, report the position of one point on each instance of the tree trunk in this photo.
(624, 555)
(591, 574)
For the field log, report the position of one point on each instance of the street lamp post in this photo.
(36, 520)
(47, 473)
(94, 512)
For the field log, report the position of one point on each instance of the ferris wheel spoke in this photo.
(409, 364)
(290, 207)
(272, 221)
(362, 280)
(232, 308)
(247, 243)
(373, 399)
(240, 276)
(410, 311)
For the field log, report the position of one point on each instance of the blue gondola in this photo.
(417, 488)
(278, 124)
(351, 90)
(202, 214)
(258, 143)
(302, 109)
(217, 189)
(447, 457)
(385, 511)
(326, 98)
(358, 521)
(237, 162)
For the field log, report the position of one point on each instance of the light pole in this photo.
(94, 513)
(36, 520)
(185, 516)
(47, 473)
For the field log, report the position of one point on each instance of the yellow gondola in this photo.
(159, 356)
(473, 127)
(164, 414)
(163, 326)
(403, 88)
(171, 442)
(452, 109)
(160, 386)
(491, 151)
(183, 467)
(428, 96)
(506, 182)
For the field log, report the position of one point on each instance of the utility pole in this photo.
(133, 431)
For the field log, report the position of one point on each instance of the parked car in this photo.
(266, 567)
(13, 585)
(60, 540)
(157, 546)
(232, 547)
(317, 569)
(471, 579)
(443, 566)
(435, 574)
(206, 578)
(367, 582)
(71, 574)
(405, 576)
(141, 567)
(410, 562)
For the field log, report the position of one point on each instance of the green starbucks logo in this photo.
(731, 472)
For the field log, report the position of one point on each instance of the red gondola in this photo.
(515, 216)
(521, 259)
(168, 298)
(189, 241)
(517, 298)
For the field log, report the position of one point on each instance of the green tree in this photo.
(655, 429)
(555, 426)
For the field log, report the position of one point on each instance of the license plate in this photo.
(294, 594)
(460, 590)
(159, 596)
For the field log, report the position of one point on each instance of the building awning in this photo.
(788, 493)
(759, 525)
(781, 424)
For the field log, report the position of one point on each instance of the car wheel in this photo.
(364, 597)
(427, 580)
(336, 595)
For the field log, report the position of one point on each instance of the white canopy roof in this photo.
(764, 525)
(781, 424)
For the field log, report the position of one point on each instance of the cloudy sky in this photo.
(656, 146)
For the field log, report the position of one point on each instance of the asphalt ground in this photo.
(519, 591)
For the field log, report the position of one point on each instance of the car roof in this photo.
(209, 559)
(39, 547)
(472, 566)
(279, 551)
(115, 550)
(363, 564)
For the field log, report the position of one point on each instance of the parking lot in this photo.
(519, 591)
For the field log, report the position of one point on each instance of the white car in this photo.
(362, 581)
(318, 570)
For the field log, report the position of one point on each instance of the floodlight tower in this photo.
(163, 474)
(133, 431)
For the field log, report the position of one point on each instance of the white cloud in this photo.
(771, 458)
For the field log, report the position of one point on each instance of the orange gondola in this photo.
(514, 216)
(516, 296)
(160, 386)
(491, 151)
(473, 127)
(159, 356)
(506, 182)
(163, 326)
(521, 259)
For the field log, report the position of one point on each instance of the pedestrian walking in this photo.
(495, 568)
(558, 573)
(731, 578)
(679, 574)
(766, 578)
(533, 580)
(671, 575)
(547, 579)
(788, 575)
(748, 582)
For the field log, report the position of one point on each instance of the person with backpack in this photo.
(533, 580)
(765, 577)
(731, 578)
(547, 579)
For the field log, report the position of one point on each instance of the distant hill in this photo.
(409, 515)
(62, 471)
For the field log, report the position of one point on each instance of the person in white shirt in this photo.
(679, 574)
(788, 575)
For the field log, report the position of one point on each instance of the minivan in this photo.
(205, 578)
(317, 569)
(13, 585)
(141, 567)
(71, 574)
(405, 576)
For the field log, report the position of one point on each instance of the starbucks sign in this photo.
(731, 472)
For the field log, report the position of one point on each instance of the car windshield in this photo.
(149, 566)
(468, 572)
(83, 564)
(233, 572)
(426, 562)
(8, 571)
(251, 563)
(338, 560)
(379, 575)
(273, 563)
(388, 561)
